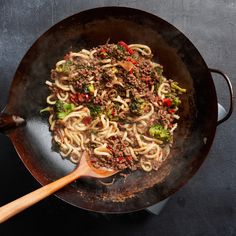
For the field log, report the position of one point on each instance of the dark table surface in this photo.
(207, 204)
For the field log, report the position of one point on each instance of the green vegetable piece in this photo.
(45, 109)
(85, 88)
(61, 115)
(65, 67)
(95, 110)
(159, 70)
(120, 48)
(88, 88)
(91, 88)
(175, 101)
(152, 74)
(63, 109)
(137, 106)
(159, 132)
(174, 85)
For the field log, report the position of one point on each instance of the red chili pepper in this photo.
(167, 102)
(132, 60)
(131, 71)
(129, 158)
(146, 79)
(171, 110)
(119, 159)
(103, 53)
(124, 45)
(66, 57)
(73, 98)
(80, 97)
(131, 51)
(87, 120)
(113, 112)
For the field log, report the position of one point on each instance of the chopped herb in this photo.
(120, 48)
(156, 86)
(80, 66)
(90, 67)
(65, 67)
(159, 70)
(152, 74)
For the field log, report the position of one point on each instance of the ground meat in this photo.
(121, 158)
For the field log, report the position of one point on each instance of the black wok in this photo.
(181, 61)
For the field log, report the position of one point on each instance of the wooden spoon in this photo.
(84, 168)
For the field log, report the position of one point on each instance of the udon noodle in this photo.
(114, 102)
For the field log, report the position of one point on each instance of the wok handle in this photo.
(11, 209)
(231, 93)
(9, 121)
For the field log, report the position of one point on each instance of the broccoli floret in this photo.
(175, 101)
(63, 109)
(159, 132)
(95, 110)
(175, 86)
(137, 106)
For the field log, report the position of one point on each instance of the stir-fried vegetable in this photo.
(167, 102)
(95, 110)
(88, 88)
(125, 46)
(175, 86)
(137, 106)
(103, 53)
(159, 132)
(120, 48)
(159, 70)
(45, 109)
(63, 109)
(91, 88)
(65, 67)
(175, 101)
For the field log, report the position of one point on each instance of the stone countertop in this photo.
(207, 204)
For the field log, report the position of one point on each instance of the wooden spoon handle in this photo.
(20, 204)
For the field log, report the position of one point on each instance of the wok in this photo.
(182, 62)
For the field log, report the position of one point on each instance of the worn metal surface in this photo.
(207, 205)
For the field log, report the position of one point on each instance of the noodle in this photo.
(114, 102)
